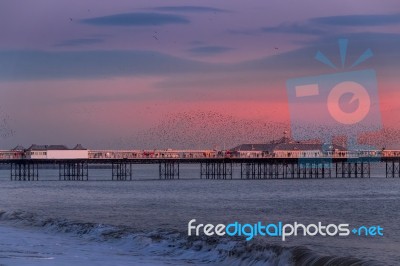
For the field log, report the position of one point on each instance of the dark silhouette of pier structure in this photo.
(209, 168)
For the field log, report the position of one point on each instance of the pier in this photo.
(209, 168)
(281, 159)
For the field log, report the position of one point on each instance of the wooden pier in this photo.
(209, 168)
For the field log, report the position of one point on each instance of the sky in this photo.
(189, 74)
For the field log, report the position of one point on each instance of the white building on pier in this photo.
(288, 148)
(56, 152)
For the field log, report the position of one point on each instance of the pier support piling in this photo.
(73, 171)
(121, 171)
(216, 170)
(393, 168)
(24, 171)
(353, 169)
(263, 170)
(286, 170)
(169, 170)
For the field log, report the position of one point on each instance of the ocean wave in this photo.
(189, 249)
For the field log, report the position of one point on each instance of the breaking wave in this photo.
(189, 249)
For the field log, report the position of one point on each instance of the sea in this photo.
(145, 221)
